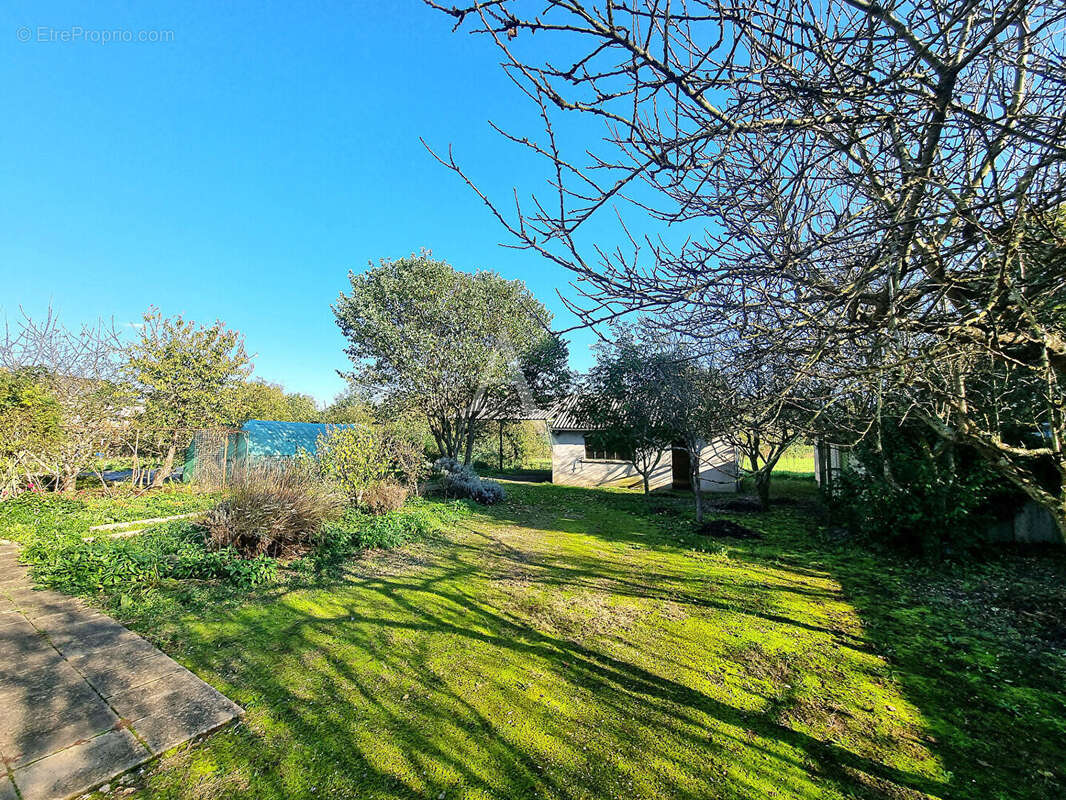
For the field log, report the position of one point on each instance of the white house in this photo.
(580, 457)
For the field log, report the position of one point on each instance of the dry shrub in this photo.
(274, 512)
(384, 496)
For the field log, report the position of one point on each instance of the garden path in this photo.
(83, 699)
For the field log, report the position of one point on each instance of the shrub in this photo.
(273, 512)
(392, 530)
(356, 530)
(933, 499)
(30, 427)
(458, 480)
(384, 496)
(354, 458)
(406, 455)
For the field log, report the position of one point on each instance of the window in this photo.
(601, 447)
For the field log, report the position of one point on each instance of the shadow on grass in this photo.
(571, 644)
(979, 647)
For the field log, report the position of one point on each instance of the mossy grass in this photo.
(574, 643)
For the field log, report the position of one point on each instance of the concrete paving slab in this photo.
(31, 683)
(44, 607)
(18, 641)
(63, 630)
(62, 620)
(14, 625)
(109, 682)
(16, 730)
(116, 657)
(181, 725)
(81, 767)
(56, 733)
(164, 693)
(87, 646)
(22, 708)
(13, 660)
(76, 687)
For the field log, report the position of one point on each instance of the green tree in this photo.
(354, 457)
(185, 374)
(459, 348)
(30, 426)
(301, 408)
(258, 399)
(78, 370)
(348, 408)
(626, 402)
(255, 399)
(513, 445)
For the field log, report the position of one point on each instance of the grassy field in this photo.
(798, 460)
(576, 643)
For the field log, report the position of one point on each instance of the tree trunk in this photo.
(67, 481)
(168, 466)
(762, 487)
(135, 473)
(697, 495)
(647, 488)
(468, 455)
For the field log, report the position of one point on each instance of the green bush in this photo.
(357, 530)
(933, 499)
(353, 457)
(30, 427)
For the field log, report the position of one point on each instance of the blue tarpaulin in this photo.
(264, 438)
(258, 441)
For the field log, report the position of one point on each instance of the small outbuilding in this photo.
(583, 456)
(214, 456)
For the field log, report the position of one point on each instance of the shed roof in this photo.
(571, 413)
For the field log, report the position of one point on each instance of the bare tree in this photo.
(79, 371)
(849, 177)
(625, 399)
(701, 410)
(768, 411)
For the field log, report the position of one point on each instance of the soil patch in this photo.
(742, 503)
(724, 528)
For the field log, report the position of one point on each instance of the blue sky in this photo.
(240, 170)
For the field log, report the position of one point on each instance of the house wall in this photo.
(718, 467)
(571, 468)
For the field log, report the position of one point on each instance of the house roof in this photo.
(571, 413)
(522, 414)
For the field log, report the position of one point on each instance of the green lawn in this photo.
(576, 643)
